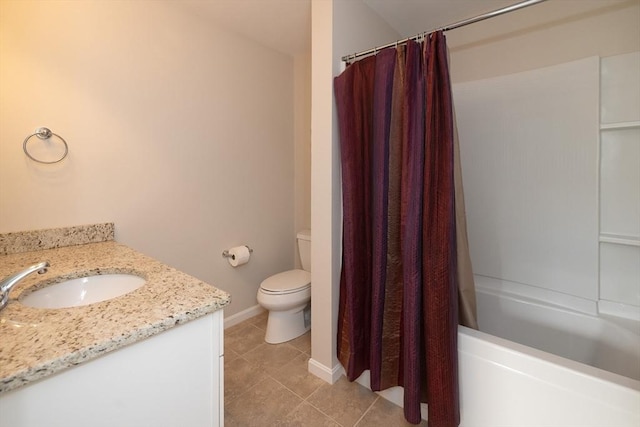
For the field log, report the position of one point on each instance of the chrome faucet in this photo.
(9, 282)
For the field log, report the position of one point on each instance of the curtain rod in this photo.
(513, 7)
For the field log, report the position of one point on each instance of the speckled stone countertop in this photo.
(35, 342)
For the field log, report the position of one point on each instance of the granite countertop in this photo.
(35, 342)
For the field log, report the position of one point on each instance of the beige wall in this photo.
(302, 137)
(338, 27)
(553, 32)
(179, 132)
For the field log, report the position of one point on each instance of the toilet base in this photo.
(283, 326)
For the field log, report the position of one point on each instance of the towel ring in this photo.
(44, 133)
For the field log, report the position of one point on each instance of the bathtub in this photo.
(536, 364)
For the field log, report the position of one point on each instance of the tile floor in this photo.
(269, 385)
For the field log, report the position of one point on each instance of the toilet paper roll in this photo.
(238, 255)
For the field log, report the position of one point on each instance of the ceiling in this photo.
(285, 25)
(411, 17)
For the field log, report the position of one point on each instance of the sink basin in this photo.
(83, 291)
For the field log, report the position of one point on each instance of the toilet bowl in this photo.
(287, 297)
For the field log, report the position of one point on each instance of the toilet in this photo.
(287, 297)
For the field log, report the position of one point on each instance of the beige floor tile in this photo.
(302, 343)
(296, 377)
(271, 358)
(383, 414)
(260, 321)
(240, 376)
(230, 355)
(263, 404)
(244, 338)
(265, 385)
(343, 401)
(307, 416)
(229, 421)
(236, 327)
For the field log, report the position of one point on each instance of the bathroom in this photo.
(175, 138)
(171, 135)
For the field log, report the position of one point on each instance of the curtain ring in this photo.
(44, 133)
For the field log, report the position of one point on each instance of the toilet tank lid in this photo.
(287, 281)
(304, 234)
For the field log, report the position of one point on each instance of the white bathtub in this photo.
(505, 383)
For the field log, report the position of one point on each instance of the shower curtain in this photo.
(406, 278)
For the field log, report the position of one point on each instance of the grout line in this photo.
(251, 322)
(302, 399)
(367, 410)
(294, 408)
(243, 393)
(322, 412)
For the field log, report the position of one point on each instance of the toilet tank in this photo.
(304, 248)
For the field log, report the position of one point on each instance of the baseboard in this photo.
(250, 312)
(325, 373)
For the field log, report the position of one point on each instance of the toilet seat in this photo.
(287, 282)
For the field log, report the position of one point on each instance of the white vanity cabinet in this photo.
(174, 378)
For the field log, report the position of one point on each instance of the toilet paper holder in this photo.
(226, 253)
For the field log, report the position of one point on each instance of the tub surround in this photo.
(38, 342)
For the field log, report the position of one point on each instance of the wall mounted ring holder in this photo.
(44, 133)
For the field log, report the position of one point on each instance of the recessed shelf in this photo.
(620, 239)
(620, 125)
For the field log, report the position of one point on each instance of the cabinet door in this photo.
(170, 379)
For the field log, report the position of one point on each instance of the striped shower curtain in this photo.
(406, 279)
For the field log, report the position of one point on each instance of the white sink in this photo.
(83, 291)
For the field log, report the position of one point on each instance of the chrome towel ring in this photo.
(44, 133)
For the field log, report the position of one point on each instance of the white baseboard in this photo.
(324, 372)
(250, 312)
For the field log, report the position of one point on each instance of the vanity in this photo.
(150, 357)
